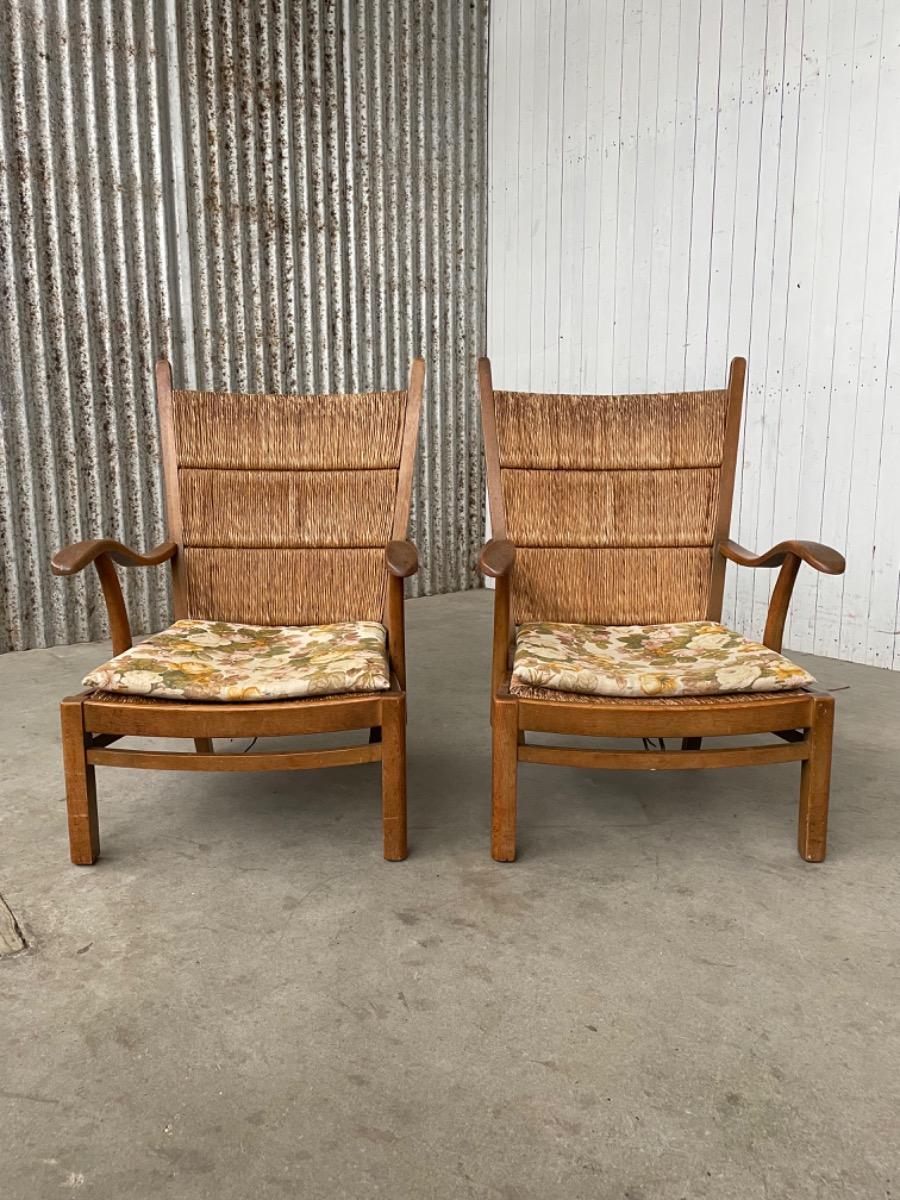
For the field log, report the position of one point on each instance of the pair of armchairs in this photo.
(287, 520)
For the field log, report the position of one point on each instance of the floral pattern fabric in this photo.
(215, 660)
(690, 658)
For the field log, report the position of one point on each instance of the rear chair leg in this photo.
(204, 746)
(504, 780)
(81, 788)
(815, 782)
(393, 778)
(691, 743)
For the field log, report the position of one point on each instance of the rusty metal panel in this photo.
(281, 196)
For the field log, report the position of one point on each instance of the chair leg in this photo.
(393, 778)
(815, 782)
(81, 788)
(691, 743)
(374, 735)
(204, 746)
(504, 780)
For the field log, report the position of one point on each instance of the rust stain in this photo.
(282, 196)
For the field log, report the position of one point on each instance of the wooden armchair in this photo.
(288, 518)
(610, 519)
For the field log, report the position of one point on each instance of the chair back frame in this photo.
(395, 523)
(714, 564)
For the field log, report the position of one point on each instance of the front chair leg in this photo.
(504, 780)
(691, 743)
(81, 788)
(815, 782)
(393, 778)
(204, 745)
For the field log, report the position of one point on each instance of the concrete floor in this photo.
(242, 1000)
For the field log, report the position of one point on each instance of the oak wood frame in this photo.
(91, 723)
(802, 721)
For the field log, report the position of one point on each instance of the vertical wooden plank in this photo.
(535, 239)
(772, 252)
(513, 305)
(704, 183)
(644, 191)
(573, 193)
(823, 406)
(876, 78)
(770, 526)
(526, 295)
(837, 520)
(681, 218)
(593, 286)
(548, 370)
(722, 225)
(797, 407)
(883, 620)
(664, 141)
(613, 65)
(501, 131)
(739, 587)
(625, 193)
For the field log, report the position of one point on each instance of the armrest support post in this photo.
(119, 625)
(401, 559)
(503, 634)
(396, 628)
(498, 558)
(779, 601)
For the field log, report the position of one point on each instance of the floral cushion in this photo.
(690, 658)
(214, 660)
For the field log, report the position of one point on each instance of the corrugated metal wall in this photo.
(285, 196)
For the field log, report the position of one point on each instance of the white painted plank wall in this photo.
(674, 183)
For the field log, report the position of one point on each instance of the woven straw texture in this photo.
(609, 432)
(612, 502)
(287, 504)
(223, 429)
(285, 587)
(287, 508)
(611, 508)
(630, 587)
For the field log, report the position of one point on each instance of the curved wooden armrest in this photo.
(823, 558)
(787, 555)
(498, 558)
(72, 559)
(103, 552)
(402, 558)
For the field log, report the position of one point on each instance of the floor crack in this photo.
(12, 938)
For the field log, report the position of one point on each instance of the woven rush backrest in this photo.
(614, 503)
(283, 505)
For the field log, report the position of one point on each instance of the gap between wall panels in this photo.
(673, 184)
(282, 197)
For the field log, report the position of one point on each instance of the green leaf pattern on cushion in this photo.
(688, 658)
(215, 660)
